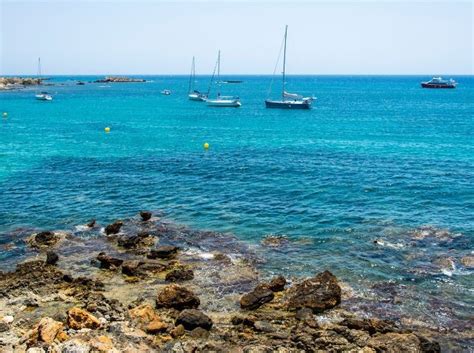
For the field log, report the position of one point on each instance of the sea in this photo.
(375, 183)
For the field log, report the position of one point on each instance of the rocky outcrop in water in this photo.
(119, 79)
(11, 83)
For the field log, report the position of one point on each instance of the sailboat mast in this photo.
(219, 73)
(39, 67)
(191, 77)
(284, 65)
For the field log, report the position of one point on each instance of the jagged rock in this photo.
(277, 284)
(108, 262)
(113, 228)
(131, 267)
(174, 296)
(144, 314)
(179, 274)
(136, 241)
(102, 344)
(429, 346)
(256, 298)
(78, 318)
(51, 258)
(192, 318)
(115, 79)
(395, 342)
(371, 326)
(45, 239)
(319, 293)
(45, 331)
(178, 331)
(146, 215)
(155, 327)
(163, 252)
(91, 223)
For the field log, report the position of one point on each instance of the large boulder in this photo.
(177, 297)
(113, 228)
(192, 318)
(256, 298)
(277, 284)
(319, 293)
(78, 318)
(145, 215)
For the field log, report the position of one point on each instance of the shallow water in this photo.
(377, 158)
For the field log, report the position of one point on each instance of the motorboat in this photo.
(438, 82)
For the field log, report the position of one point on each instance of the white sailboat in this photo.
(42, 96)
(288, 100)
(221, 101)
(194, 94)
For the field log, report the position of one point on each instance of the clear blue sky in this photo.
(160, 37)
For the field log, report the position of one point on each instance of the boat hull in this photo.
(44, 97)
(437, 85)
(196, 98)
(222, 103)
(288, 104)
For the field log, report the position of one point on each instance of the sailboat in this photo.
(221, 101)
(288, 100)
(194, 94)
(42, 96)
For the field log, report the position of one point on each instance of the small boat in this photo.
(166, 92)
(194, 94)
(233, 81)
(438, 82)
(221, 101)
(288, 100)
(42, 96)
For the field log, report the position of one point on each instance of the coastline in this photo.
(116, 281)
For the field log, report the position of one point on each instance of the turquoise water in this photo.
(377, 158)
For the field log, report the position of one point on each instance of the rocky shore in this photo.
(11, 83)
(119, 79)
(142, 286)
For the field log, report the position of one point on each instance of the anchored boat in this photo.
(194, 94)
(438, 82)
(288, 100)
(221, 101)
(42, 96)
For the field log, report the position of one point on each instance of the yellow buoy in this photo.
(206, 145)
(5, 114)
(107, 129)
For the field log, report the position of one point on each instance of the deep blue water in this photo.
(377, 158)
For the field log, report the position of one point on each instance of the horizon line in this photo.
(235, 74)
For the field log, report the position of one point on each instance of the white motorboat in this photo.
(166, 92)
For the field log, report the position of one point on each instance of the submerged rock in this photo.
(78, 318)
(91, 223)
(113, 228)
(45, 239)
(177, 297)
(275, 240)
(468, 261)
(145, 215)
(256, 298)
(163, 252)
(192, 318)
(319, 293)
(136, 241)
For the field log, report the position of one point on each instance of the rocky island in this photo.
(12, 83)
(140, 286)
(119, 79)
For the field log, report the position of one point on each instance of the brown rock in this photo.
(318, 293)
(146, 215)
(179, 274)
(108, 262)
(178, 331)
(256, 298)
(48, 329)
(277, 284)
(51, 258)
(155, 327)
(174, 296)
(192, 318)
(163, 252)
(372, 326)
(395, 343)
(468, 261)
(131, 267)
(113, 228)
(102, 344)
(78, 318)
(144, 314)
(91, 223)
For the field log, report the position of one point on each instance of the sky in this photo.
(161, 37)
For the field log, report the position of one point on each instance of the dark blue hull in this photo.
(287, 104)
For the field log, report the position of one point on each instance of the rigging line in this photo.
(276, 66)
(212, 78)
